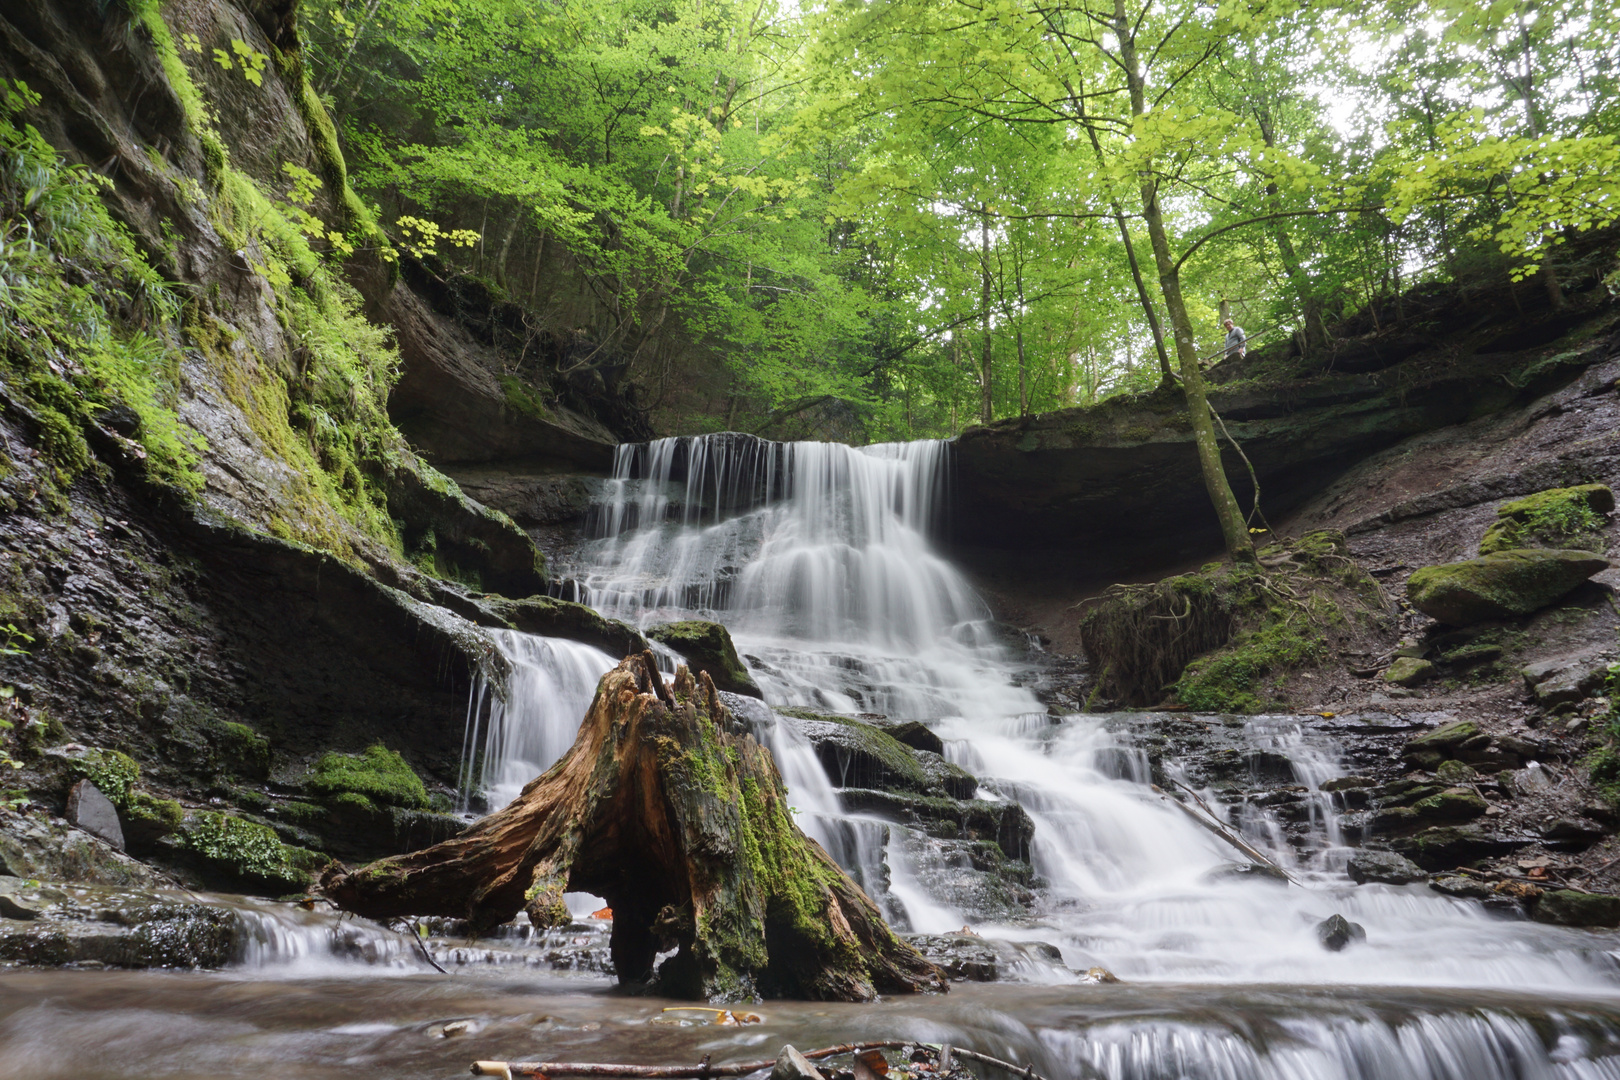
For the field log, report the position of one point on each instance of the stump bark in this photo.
(666, 808)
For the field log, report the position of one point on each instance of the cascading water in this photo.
(817, 558)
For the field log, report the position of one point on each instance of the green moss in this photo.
(1501, 585)
(242, 750)
(113, 773)
(521, 398)
(249, 850)
(380, 775)
(303, 814)
(164, 813)
(1232, 680)
(1569, 517)
(707, 646)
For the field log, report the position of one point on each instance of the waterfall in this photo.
(819, 559)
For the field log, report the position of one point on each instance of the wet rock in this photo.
(1246, 872)
(1446, 846)
(1462, 886)
(1335, 932)
(114, 928)
(1461, 741)
(967, 957)
(1502, 585)
(1554, 682)
(792, 1065)
(1098, 975)
(33, 846)
(1570, 834)
(857, 754)
(918, 736)
(1569, 907)
(93, 812)
(1409, 671)
(1454, 804)
(1002, 823)
(1455, 772)
(1384, 867)
(707, 647)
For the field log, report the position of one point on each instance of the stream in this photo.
(819, 559)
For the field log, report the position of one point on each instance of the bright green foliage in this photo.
(250, 850)
(1232, 680)
(70, 347)
(113, 773)
(379, 775)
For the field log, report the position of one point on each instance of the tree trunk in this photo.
(682, 823)
(987, 401)
(1234, 527)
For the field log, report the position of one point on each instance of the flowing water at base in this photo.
(69, 1025)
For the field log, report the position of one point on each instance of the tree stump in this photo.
(682, 823)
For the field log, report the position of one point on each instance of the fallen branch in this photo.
(699, 1070)
(702, 1069)
(1208, 820)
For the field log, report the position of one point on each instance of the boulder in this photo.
(1445, 846)
(1409, 671)
(966, 957)
(1383, 867)
(1462, 887)
(1569, 907)
(1553, 682)
(1429, 750)
(93, 812)
(792, 1065)
(707, 647)
(1335, 932)
(1502, 585)
(1571, 834)
(1247, 872)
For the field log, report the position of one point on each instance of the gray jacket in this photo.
(1236, 342)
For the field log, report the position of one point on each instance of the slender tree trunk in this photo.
(1234, 528)
(1310, 305)
(987, 403)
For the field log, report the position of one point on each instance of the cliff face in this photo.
(1121, 482)
(214, 534)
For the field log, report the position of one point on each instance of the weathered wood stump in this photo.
(683, 825)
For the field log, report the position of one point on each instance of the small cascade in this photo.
(293, 941)
(516, 732)
(1345, 1044)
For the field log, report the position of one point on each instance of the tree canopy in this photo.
(884, 219)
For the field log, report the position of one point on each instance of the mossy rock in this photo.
(854, 754)
(147, 819)
(1409, 671)
(1450, 806)
(1569, 907)
(1502, 585)
(379, 775)
(1565, 518)
(1446, 846)
(249, 851)
(707, 647)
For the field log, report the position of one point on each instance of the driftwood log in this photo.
(682, 824)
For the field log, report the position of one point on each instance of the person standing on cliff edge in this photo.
(1237, 342)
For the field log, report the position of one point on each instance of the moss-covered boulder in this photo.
(249, 852)
(1564, 518)
(1409, 671)
(857, 754)
(1569, 907)
(1430, 749)
(379, 776)
(1502, 585)
(707, 647)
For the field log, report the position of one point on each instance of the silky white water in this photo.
(818, 558)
